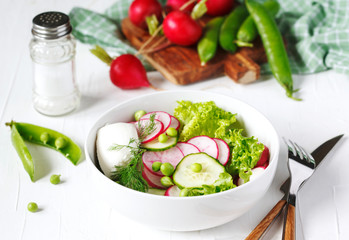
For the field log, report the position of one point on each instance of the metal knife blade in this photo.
(318, 154)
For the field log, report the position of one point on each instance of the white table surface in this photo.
(71, 211)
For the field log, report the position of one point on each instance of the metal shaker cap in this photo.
(51, 25)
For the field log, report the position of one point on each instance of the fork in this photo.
(301, 166)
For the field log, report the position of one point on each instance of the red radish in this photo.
(255, 173)
(175, 123)
(181, 29)
(264, 157)
(173, 155)
(205, 144)
(126, 71)
(177, 4)
(224, 151)
(187, 148)
(161, 116)
(152, 179)
(219, 7)
(173, 191)
(140, 9)
(157, 130)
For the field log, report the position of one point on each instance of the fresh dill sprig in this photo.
(130, 175)
(146, 129)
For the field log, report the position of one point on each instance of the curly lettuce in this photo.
(205, 118)
(245, 153)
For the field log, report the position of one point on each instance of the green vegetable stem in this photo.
(274, 46)
(230, 27)
(248, 30)
(21, 132)
(207, 45)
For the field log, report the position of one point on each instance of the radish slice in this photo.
(173, 155)
(175, 123)
(264, 157)
(152, 179)
(173, 191)
(205, 144)
(187, 148)
(157, 131)
(255, 173)
(224, 151)
(163, 117)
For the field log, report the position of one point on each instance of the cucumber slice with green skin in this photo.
(185, 177)
(155, 191)
(156, 146)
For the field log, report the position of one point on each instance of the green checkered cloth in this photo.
(316, 31)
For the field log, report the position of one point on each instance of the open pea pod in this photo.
(44, 137)
(22, 151)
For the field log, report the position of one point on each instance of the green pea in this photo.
(166, 181)
(44, 137)
(139, 114)
(156, 166)
(167, 169)
(32, 207)
(184, 192)
(172, 132)
(55, 179)
(196, 167)
(163, 138)
(60, 143)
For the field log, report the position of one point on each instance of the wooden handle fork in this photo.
(260, 229)
(289, 226)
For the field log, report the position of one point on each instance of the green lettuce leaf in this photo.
(245, 153)
(203, 118)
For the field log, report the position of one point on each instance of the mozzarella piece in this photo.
(109, 135)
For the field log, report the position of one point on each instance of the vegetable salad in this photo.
(200, 149)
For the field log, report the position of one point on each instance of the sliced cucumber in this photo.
(185, 177)
(156, 191)
(156, 146)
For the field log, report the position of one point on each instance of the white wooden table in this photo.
(71, 211)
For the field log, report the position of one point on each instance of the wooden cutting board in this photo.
(181, 65)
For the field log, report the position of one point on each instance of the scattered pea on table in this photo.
(32, 207)
(55, 179)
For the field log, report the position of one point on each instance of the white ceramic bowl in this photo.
(186, 213)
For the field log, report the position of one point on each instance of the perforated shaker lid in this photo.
(51, 25)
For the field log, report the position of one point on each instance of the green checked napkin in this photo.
(317, 32)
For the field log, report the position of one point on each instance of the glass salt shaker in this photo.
(52, 50)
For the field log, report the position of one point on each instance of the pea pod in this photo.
(248, 30)
(22, 151)
(273, 45)
(207, 45)
(230, 27)
(42, 136)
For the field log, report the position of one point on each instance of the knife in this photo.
(318, 154)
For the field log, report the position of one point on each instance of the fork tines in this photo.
(299, 154)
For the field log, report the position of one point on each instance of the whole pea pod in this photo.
(207, 45)
(273, 45)
(248, 30)
(21, 132)
(230, 27)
